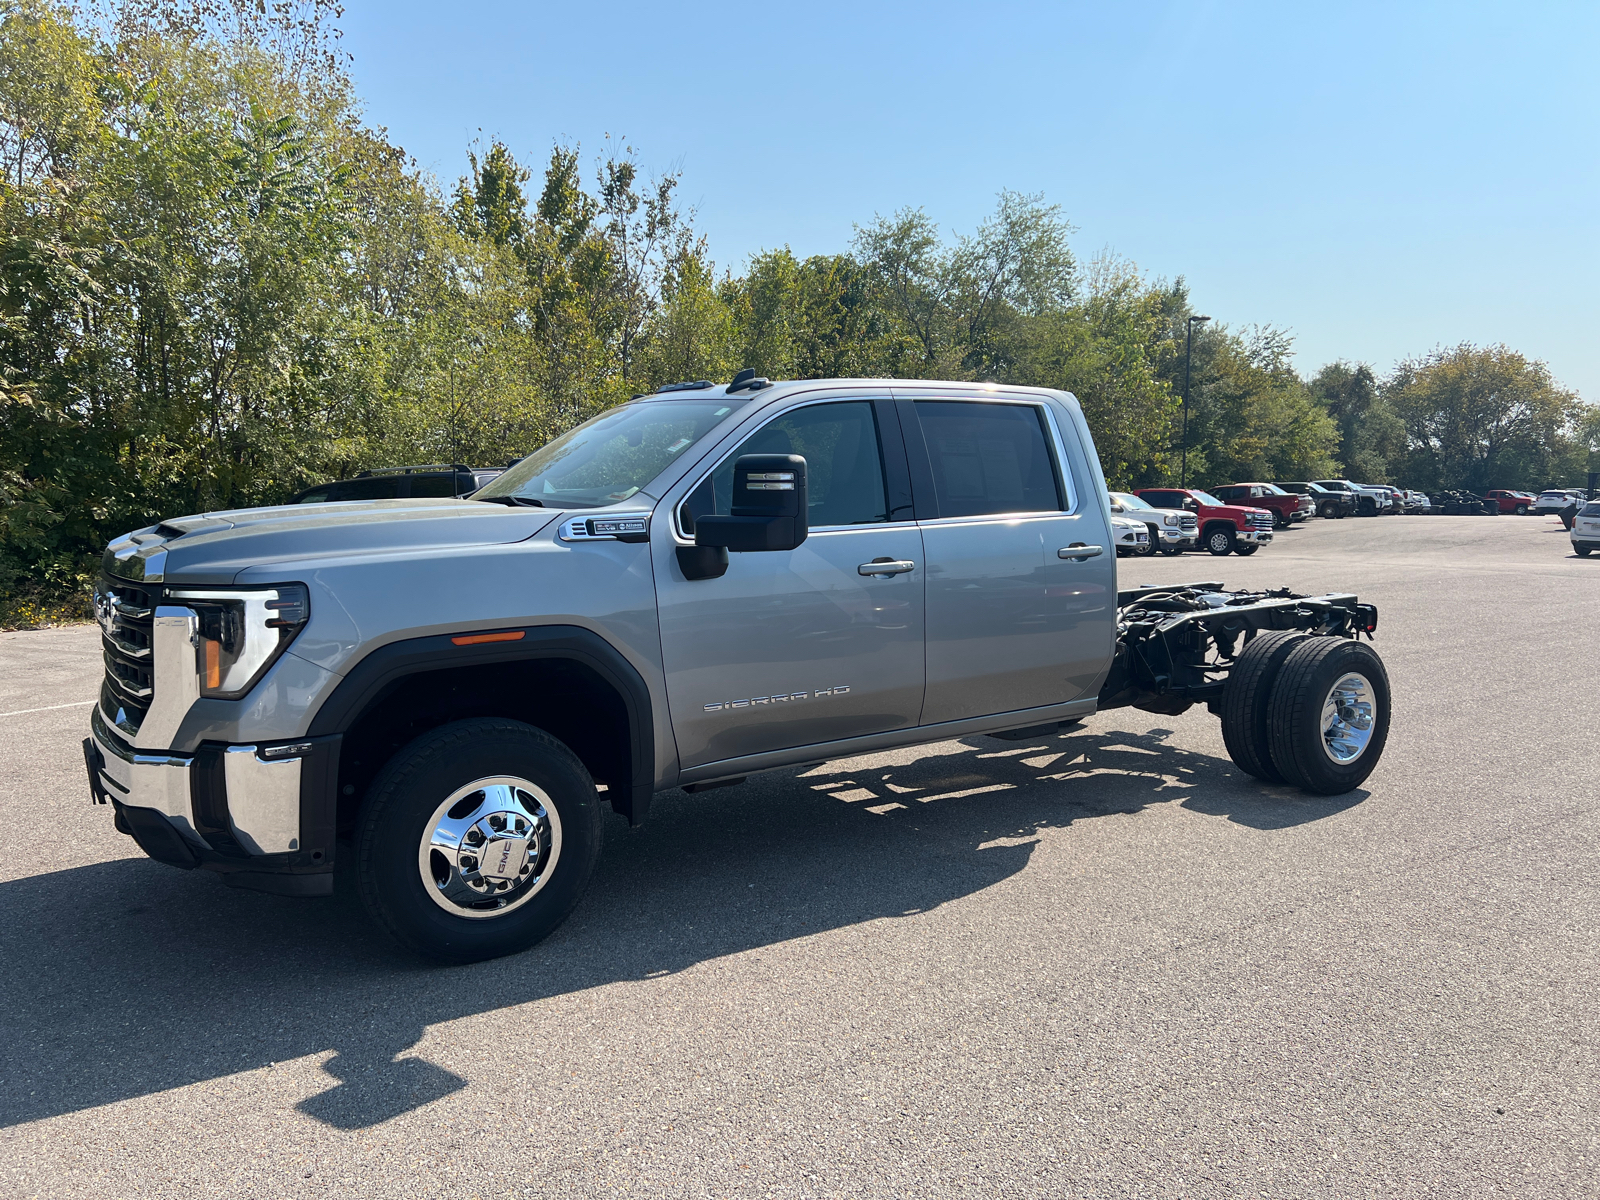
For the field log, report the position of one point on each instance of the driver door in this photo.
(791, 648)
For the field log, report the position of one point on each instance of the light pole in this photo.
(1188, 356)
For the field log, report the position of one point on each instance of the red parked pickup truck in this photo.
(1285, 507)
(1223, 527)
(1508, 501)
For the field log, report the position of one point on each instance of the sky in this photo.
(1379, 179)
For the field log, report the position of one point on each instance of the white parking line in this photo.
(47, 708)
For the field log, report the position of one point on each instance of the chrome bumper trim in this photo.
(263, 800)
(143, 780)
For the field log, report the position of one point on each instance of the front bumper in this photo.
(262, 822)
(1253, 537)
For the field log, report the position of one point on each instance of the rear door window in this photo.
(1165, 499)
(379, 487)
(433, 485)
(989, 458)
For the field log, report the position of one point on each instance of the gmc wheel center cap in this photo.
(503, 857)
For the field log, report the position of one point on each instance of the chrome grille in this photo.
(1189, 523)
(126, 614)
(1260, 521)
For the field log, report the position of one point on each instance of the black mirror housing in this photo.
(768, 509)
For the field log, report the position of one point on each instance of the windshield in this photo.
(1273, 489)
(1128, 501)
(608, 459)
(1206, 498)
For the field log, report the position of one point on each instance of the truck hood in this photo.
(212, 548)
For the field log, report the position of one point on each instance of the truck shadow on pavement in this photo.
(128, 978)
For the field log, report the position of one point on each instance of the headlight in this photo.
(1170, 519)
(242, 632)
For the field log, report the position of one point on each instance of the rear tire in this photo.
(1219, 540)
(444, 785)
(1582, 551)
(1246, 700)
(1329, 715)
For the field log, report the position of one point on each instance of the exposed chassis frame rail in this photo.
(1176, 643)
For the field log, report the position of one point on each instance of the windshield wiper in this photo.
(512, 501)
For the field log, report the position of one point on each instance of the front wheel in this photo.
(1219, 541)
(1325, 511)
(1149, 548)
(1244, 551)
(477, 840)
(1329, 714)
(1522, 510)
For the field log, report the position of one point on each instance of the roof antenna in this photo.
(748, 380)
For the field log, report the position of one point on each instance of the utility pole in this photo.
(1188, 357)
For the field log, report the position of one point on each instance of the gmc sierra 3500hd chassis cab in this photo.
(703, 583)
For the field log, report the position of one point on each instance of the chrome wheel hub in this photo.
(490, 847)
(1348, 715)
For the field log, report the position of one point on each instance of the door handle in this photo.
(886, 566)
(1079, 551)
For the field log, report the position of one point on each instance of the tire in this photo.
(1244, 551)
(1582, 551)
(1522, 510)
(1301, 750)
(1326, 511)
(1155, 539)
(1279, 521)
(1169, 551)
(1246, 698)
(1219, 540)
(531, 781)
(1367, 507)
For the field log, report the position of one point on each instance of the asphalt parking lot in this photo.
(1105, 964)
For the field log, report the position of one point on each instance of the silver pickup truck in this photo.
(704, 583)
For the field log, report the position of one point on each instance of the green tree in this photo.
(1482, 417)
(1372, 440)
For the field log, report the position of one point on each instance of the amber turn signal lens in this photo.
(213, 650)
(472, 639)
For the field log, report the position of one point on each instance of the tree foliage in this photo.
(218, 285)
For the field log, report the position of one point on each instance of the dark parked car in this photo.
(402, 483)
(1328, 503)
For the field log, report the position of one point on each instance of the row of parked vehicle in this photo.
(1239, 518)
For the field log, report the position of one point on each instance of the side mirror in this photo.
(768, 509)
(1192, 505)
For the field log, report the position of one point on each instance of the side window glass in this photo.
(380, 487)
(433, 485)
(988, 458)
(844, 466)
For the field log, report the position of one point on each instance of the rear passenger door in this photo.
(1021, 570)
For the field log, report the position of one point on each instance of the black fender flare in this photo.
(381, 669)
